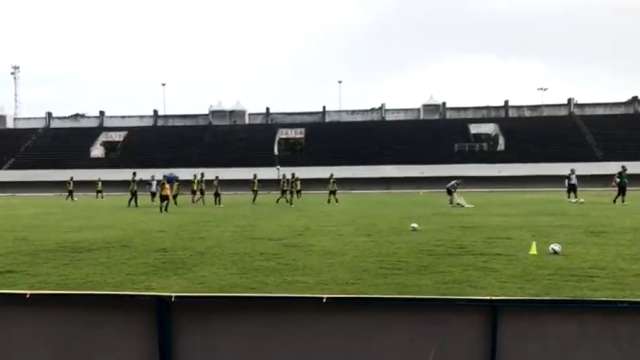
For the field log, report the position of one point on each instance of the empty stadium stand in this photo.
(11, 141)
(527, 140)
(618, 136)
(61, 149)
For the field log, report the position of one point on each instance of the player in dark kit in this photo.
(194, 188)
(175, 192)
(217, 195)
(165, 195)
(202, 188)
(99, 189)
(621, 180)
(571, 182)
(333, 189)
(284, 189)
(70, 190)
(292, 184)
(297, 184)
(255, 187)
(133, 190)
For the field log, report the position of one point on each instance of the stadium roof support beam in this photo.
(506, 109)
(48, 117)
(636, 104)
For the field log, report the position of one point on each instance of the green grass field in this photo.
(362, 246)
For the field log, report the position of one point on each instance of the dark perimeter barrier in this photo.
(164, 326)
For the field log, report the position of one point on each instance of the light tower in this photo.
(15, 72)
(542, 90)
(339, 94)
(164, 98)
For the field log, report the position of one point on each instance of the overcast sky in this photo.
(83, 56)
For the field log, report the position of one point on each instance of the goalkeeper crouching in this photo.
(452, 189)
(452, 193)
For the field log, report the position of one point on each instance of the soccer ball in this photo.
(555, 249)
(414, 227)
(581, 201)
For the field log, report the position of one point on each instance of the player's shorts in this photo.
(153, 193)
(449, 192)
(333, 192)
(175, 196)
(622, 190)
(298, 192)
(572, 188)
(216, 194)
(194, 192)
(202, 192)
(70, 192)
(133, 192)
(99, 191)
(164, 198)
(283, 192)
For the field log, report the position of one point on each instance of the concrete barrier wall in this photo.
(128, 121)
(29, 122)
(183, 120)
(343, 172)
(257, 118)
(475, 112)
(605, 108)
(292, 118)
(167, 326)
(426, 111)
(355, 115)
(539, 110)
(45, 327)
(402, 114)
(75, 122)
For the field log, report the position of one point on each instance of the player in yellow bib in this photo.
(165, 195)
(70, 190)
(333, 189)
(99, 189)
(194, 188)
(255, 187)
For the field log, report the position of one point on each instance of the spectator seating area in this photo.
(528, 140)
(11, 140)
(617, 136)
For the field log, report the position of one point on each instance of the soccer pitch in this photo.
(362, 246)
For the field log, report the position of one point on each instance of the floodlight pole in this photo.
(15, 73)
(164, 98)
(542, 90)
(339, 94)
